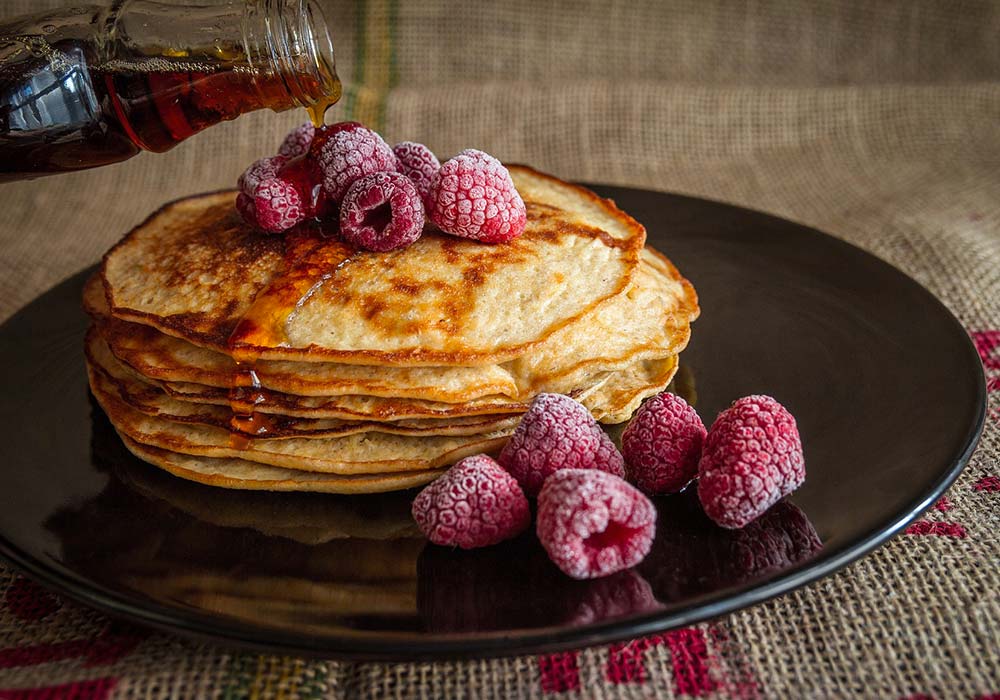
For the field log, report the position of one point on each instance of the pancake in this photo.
(367, 372)
(160, 356)
(651, 320)
(154, 354)
(616, 400)
(112, 377)
(368, 453)
(382, 409)
(196, 271)
(236, 473)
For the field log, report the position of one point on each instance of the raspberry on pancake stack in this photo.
(238, 341)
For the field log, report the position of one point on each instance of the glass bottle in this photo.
(93, 85)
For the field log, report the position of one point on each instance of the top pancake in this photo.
(194, 270)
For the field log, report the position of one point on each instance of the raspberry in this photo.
(324, 132)
(752, 458)
(608, 458)
(473, 196)
(349, 153)
(662, 444)
(298, 141)
(382, 211)
(593, 523)
(418, 163)
(278, 205)
(557, 433)
(475, 504)
(301, 174)
(246, 208)
(259, 171)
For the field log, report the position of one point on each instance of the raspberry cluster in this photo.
(385, 195)
(590, 520)
(749, 459)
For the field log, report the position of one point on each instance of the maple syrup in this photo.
(92, 86)
(311, 257)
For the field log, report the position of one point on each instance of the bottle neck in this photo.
(282, 47)
(287, 43)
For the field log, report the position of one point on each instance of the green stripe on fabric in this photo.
(349, 102)
(361, 12)
(241, 672)
(393, 21)
(375, 65)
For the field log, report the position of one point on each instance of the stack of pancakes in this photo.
(295, 362)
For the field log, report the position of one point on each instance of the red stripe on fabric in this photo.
(98, 689)
(689, 655)
(986, 342)
(114, 643)
(733, 669)
(625, 660)
(926, 527)
(560, 672)
(42, 653)
(943, 505)
(993, 384)
(990, 484)
(28, 601)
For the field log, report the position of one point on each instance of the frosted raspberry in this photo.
(473, 196)
(348, 154)
(557, 433)
(278, 205)
(324, 132)
(246, 208)
(475, 504)
(418, 163)
(301, 174)
(608, 458)
(662, 444)
(298, 141)
(752, 458)
(382, 211)
(259, 171)
(593, 523)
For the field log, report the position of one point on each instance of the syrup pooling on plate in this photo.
(311, 257)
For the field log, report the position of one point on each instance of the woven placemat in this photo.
(876, 122)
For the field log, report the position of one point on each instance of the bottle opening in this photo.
(290, 40)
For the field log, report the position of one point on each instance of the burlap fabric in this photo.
(876, 122)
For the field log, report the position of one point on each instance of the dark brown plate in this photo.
(886, 386)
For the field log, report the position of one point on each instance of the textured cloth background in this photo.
(876, 122)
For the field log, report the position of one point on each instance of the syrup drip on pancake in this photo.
(312, 257)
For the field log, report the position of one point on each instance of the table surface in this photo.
(875, 123)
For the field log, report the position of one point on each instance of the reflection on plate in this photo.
(309, 561)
